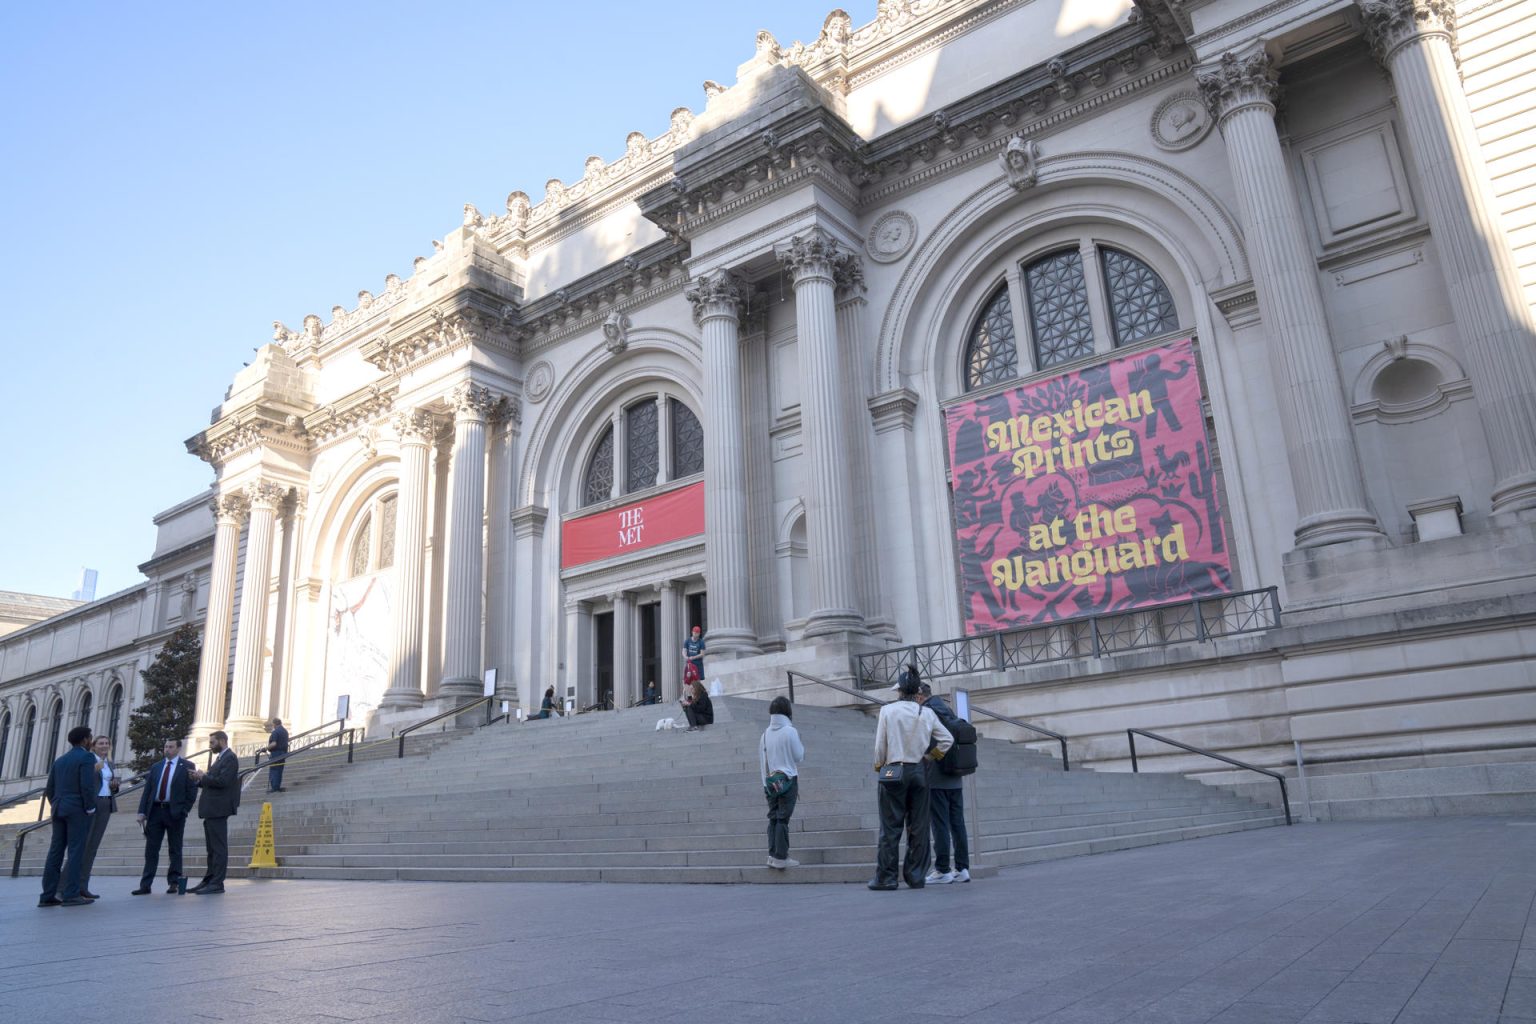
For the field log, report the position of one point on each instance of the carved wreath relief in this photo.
(892, 236)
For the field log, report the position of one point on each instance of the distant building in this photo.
(87, 589)
(20, 610)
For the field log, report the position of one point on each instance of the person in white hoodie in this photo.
(779, 758)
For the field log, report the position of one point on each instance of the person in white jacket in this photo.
(904, 736)
(779, 759)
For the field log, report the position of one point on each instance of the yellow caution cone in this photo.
(264, 853)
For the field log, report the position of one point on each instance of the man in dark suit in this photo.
(220, 799)
(277, 747)
(164, 804)
(107, 786)
(71, 792)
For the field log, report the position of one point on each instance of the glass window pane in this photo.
(642, 450)
(358, 564)
(991, 354)
(1058, 308)
(387, 510)
(687, 441)
(598, 484)
(1139, 302)
(5, 740)
(85, 708)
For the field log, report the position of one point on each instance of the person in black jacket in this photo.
(164, 803)
(71, 792)
(697, 706)
(277, 746)
(946, 804)
(221, 799)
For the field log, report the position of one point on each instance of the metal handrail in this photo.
(1066, 765)
(1131, 735)
(451, 712)
(340, 723)
(1197, 620)
(850, 691)
(21, 798)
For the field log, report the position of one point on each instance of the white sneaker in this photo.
(940, 878)
(789, 862)
(773, 862)
(963, 875)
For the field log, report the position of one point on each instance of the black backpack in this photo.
(961, 759)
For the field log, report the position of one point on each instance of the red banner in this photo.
(660, 519)
(1086, 493)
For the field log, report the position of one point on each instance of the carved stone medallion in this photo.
(1180, 122)
(892, 236)
(541, 377)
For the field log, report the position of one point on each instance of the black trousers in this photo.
(779, 810)
(904, 804)
(160, 823)
(93, 841)
(949, 825)
(216, 835)
(70, 830)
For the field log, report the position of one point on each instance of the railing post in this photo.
(1093, 629)
(1130, 734)
(402, 746)
(1286, 800)
(791, 677)
(21, 841)
(351, 743)
(997, 652)
(1274, 607)
(42, 802)
(1066, 766)
(1199, 622)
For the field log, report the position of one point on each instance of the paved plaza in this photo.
(1402, 921)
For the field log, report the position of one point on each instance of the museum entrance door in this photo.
(650, 649)
(602, 661)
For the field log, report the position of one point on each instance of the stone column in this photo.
(416, 429)
(623, 652)
(230, 511)
(664, 469)
(1414, 40)
(530, 641)
(499, 557)
(1314, 418)
(577, 640)
(670, 648)
(245, 716)
(811, 260)
(472, 406)
(717, 300)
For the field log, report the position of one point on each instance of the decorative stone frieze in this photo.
(342, 417)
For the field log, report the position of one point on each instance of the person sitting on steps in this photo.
(697, 706)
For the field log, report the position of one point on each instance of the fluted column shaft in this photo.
(466, 550)
(245, 715)
(1331, 505)
(717, 302)
(1413, 39)
(671, 643)
(623, 649)
(415, 430)
(811, 259)
(230, 511)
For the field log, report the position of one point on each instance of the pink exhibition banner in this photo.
(1086, 493)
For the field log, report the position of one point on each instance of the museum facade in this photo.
(984, 316)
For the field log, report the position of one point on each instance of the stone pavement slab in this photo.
(1398, 922)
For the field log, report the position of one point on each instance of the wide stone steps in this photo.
(608, 798)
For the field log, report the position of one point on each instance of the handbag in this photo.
(892, 773)
(778, 784)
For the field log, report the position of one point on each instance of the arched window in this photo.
(5, 739)
(687, 441)
(55, 728)
(84, 718)
(630, 449)
(642, 446)
(373, 545)
(598, 484)
(1073, 297)
(990, 355)
(28, 731)
(115, 712)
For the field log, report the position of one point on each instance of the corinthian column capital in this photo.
(266, 494)
(813, 254)
(471, 401)
(717, 295)
(1391, 24)
(234, 507)
(1235, 83)
(415, 426)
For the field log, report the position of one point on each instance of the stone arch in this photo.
(355, 485)
(1155, 200)
(570, 420)
(1437, 379)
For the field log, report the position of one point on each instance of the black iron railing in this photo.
(1131, 735)
(1198, 620)
(450, 713)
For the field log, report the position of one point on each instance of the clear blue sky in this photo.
(176, 176)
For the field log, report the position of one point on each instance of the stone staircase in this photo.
(606, 797)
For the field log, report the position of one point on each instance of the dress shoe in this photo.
(76, 901)
(879, 886)
(141, 892)
(170, 890)
(212, 890)
(199, 887)
(89, 895)
(49, 901)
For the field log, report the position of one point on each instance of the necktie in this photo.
(165, 781)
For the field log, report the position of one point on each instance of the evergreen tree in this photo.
(170, 697)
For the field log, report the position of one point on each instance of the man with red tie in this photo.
(164, 804)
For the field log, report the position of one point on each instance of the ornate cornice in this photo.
(316, 334)
(1235, 83)
(893, 410)
(466, 319)
(528, 521)
(1392, 24)
(634, 281)
(721, 294)
(344, 415)
(812, 255)
(247, 430)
